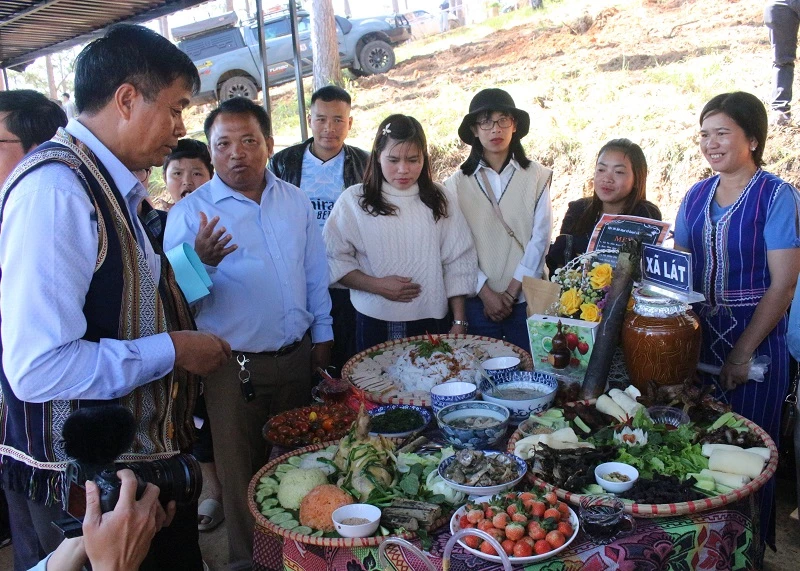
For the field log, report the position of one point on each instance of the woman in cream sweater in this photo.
(400, 243)
(505, 198)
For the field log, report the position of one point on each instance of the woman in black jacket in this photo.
(620, 187)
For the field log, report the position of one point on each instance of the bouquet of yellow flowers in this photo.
(584, 284)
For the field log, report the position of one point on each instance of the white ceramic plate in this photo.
(573, 521)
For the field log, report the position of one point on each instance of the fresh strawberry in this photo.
(552, 513)
(551, 498)
(535, 531)
(565, 528)
(487, 548)
(563, 508)
(515, 531)
(529, 540)
(520, 518)
(475, 515)
(485, 525)
(538, 508)
(524, 496)
(540, 547)
(473, 541)
(508, 546)
(463, 522)
(523, 549)
(500, 521)
(555, 538)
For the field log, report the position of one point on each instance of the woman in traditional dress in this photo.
(400, 243)
(742, 227)
(620, 187)
(505, 198)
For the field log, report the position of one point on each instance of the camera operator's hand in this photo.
(120, 539)
(199, 352)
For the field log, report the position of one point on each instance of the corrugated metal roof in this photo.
(33, 28)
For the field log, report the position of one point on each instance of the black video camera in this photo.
(95, 437)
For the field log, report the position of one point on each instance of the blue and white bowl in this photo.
(423, 412)
(450, 393)
(522, 468)
(474, 438)
(497, 365)
(543, 384)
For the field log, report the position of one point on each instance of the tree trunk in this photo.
(324, 45)
(51, 78)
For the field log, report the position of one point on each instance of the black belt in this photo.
(282, 352)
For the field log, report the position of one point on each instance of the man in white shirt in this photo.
(69, 106)
(323, 166)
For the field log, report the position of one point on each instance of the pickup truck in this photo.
(226, 53)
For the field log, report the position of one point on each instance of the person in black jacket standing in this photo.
(323, 166)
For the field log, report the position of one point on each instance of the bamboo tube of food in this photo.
(608, 331)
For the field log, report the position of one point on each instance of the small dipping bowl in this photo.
(668, 416)
(474, 438)
(450, 393)
(620, 467)
(542, 388)
(361, 511)
(500, 365)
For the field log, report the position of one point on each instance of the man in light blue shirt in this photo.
(269, 300)
(90, 310)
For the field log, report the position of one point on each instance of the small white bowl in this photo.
(363, 511)
(451, 392)
(616, 487)
(500, 364)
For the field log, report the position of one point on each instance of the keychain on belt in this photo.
(248, 392)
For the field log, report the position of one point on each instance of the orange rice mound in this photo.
(319, 504)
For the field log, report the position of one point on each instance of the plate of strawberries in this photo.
(529, 526)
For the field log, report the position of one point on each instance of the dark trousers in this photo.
(32, 534)
(344, 328)
(513, 328)
(782, 17)
(176, 547)
(371, 331)
(280, 383)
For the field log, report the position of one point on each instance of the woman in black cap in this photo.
(505, 198)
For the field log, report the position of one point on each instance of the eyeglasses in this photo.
(503, 122)
(10, 141)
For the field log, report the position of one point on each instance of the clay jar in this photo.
(661, 340)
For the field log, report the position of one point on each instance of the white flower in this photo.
(386, 130)
(635, 437)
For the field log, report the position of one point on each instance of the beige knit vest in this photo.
(498, 253)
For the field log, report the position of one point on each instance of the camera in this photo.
(95, 437)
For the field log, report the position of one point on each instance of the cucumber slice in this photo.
(268, 481)
(282, 468)
(269, 503)
(274, 511)
(289, 524)
(294, 461)
(304, 529)
(317, 533)
(582, 425)
(280, 517)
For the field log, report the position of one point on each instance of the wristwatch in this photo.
(460, 322)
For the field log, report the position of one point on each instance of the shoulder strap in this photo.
(496, 208)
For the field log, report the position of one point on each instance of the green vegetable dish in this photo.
(396, 420)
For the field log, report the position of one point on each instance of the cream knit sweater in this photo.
(439, 255)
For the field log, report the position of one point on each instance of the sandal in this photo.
(211, 509)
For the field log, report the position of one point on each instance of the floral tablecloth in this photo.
(720, 539)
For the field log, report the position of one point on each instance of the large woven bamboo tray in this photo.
(367, 369)
(264, 523)
(681, 508)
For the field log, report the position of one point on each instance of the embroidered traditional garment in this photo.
(123, 302)
(729, 266)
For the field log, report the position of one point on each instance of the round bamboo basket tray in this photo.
(681, 508)
(264, 523)
(379, 388)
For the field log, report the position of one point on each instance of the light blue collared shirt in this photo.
(274, 286)
(48, 250)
